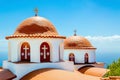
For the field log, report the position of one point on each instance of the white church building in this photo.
(36, 44)
(35, 40)
(79, 50)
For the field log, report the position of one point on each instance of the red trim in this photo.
(86, 58)
(25, 55)
(44, 52)
(71, 57)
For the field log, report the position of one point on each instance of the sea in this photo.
(107, 58)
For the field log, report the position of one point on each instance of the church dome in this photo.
(49, 74)
(77, 42)
(36, 27)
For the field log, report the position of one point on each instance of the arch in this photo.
(86, 58)
(25, 52)
(72, 57)
(86, 66)
(44, 52)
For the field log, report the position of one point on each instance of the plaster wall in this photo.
(79, 55)
(54, 43)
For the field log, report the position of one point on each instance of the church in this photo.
(36, 44)
(79, 50)
(35, 40)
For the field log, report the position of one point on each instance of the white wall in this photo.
(79, 54)
(21, 70)
(15, 45)
(13, 51)
(61, 51)
(9, 51)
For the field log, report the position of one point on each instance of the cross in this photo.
(36, 11)
(75, 32)
(25, 48)
(44, 48)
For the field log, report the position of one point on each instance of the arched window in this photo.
(71, 57)
(25, 52)
(44, 52)
(86, 58)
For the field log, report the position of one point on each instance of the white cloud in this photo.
(103, 38)
(106, 43)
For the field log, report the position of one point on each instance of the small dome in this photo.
(77, 42)
(36, 27)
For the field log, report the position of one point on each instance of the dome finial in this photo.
(75, 32)
(36, 11)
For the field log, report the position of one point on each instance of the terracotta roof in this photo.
(35, 36)
(5, 74)
(35, 27)
(94, 71)
(77, 42)
(56, 74)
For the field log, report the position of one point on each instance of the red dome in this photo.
(35, 27)
(77, 42)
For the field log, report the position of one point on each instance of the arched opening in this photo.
(44, 52)
(25, 52)
(84, 67)
(71, 57)
(86, 58)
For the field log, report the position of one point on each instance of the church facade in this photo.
(79, 50)
(39, 43)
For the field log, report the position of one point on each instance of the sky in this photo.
(97, 20)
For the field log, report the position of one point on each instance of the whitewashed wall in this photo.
(61, 51)
(21, 70)
(15, 45)
(79, 55)
(9, 51)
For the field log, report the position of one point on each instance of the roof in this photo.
(5, 74)
(56, 74)
(35, 27)
(94, 71)
(77, 42)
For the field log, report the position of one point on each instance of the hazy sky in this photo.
(96, 19)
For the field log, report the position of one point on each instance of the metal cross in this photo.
(44, 48)
(75, 32)
(36, 11)
(26, 48)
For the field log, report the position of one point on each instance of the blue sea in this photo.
(107, 58)
(3, 56)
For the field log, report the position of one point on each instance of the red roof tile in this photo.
(5, 74)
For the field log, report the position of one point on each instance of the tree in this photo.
(114, 68)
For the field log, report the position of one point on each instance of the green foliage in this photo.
(114, 69)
